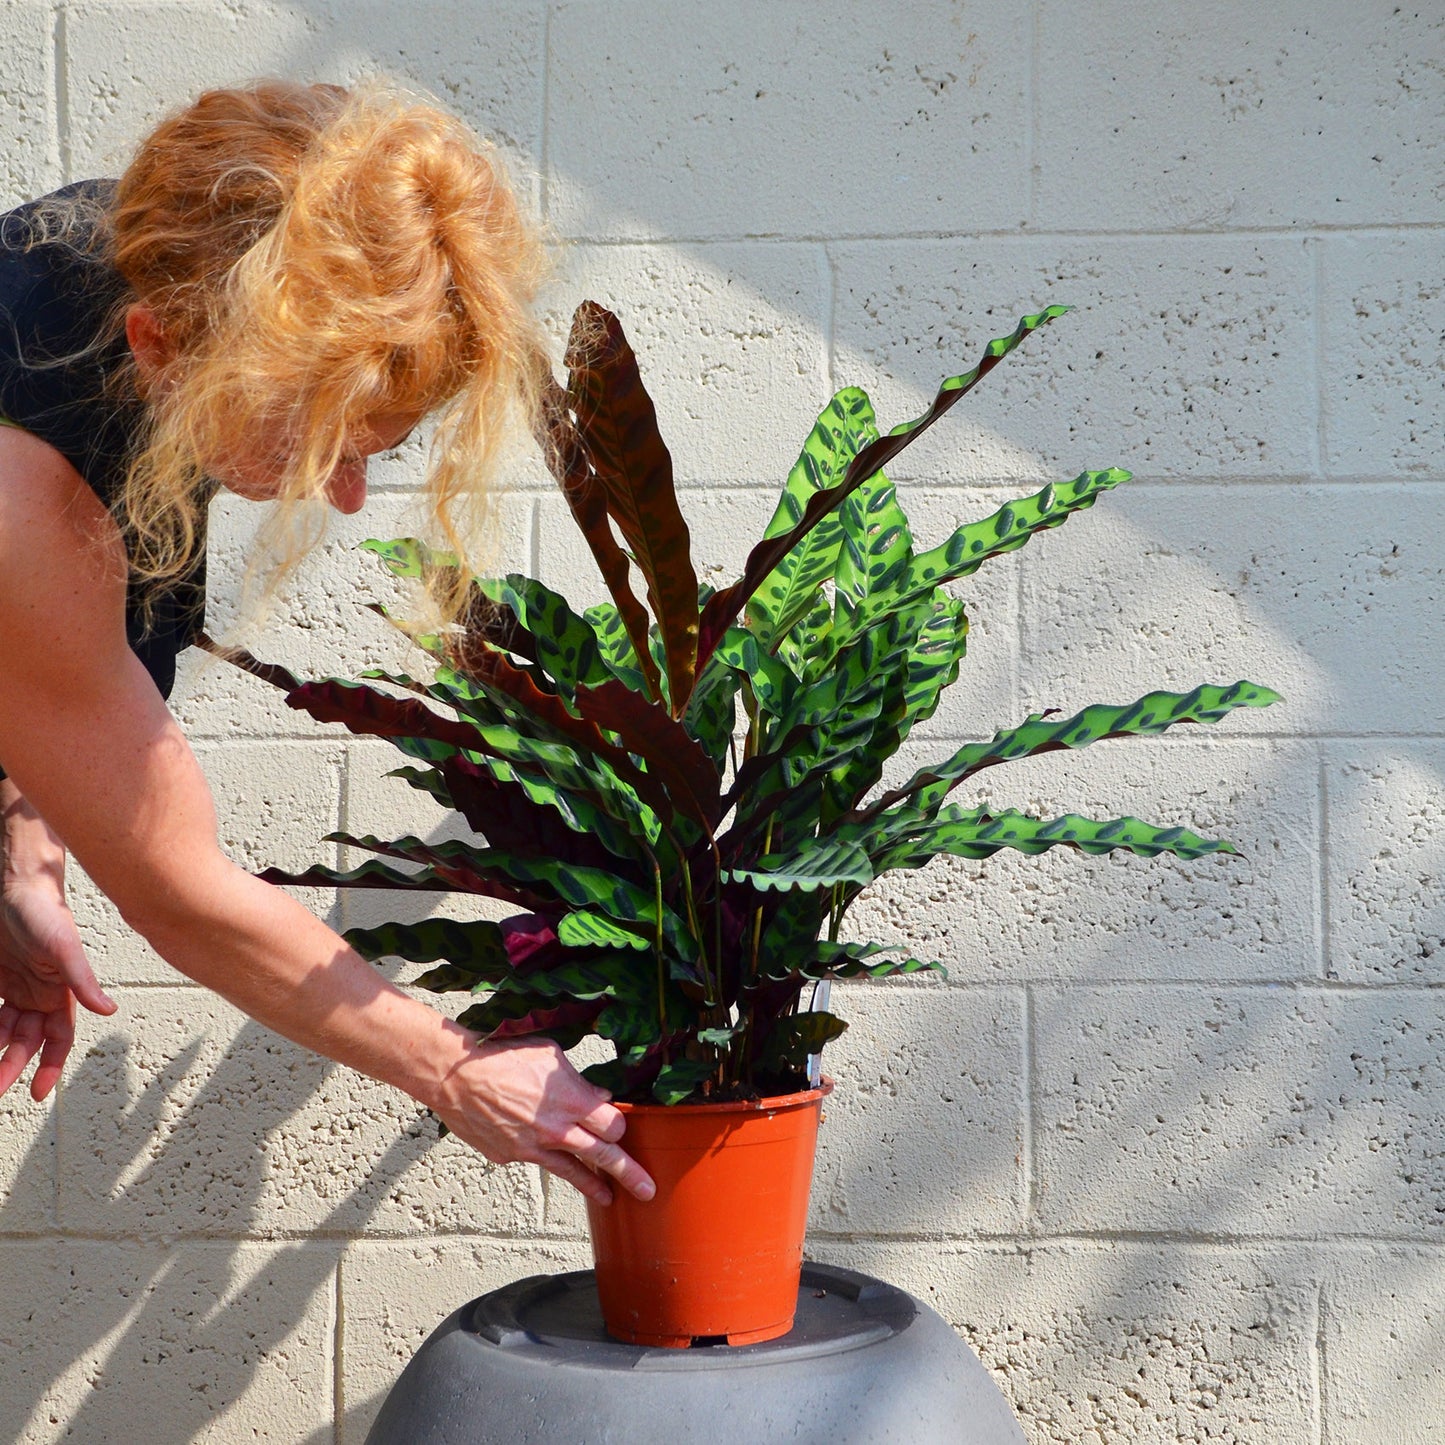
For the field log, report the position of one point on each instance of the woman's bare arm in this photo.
(88, 740)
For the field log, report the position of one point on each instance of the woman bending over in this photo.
(284, 282)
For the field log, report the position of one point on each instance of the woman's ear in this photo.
(148, 341)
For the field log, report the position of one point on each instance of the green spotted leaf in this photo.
(565, 645)
(425, 780)
(815, 863)
(449, 978)
(810, 639)
(820, 959)
(615, 645)
(933, 662)
(611, 975)
(678, 1081)
(712, 711)
(408, 557)
(725, 605)
(785, 595)
(910, 838)
(582, 929)
(876, 552)
(793, 1041)
(1150, 715)
(1005, 531)
(474, 950)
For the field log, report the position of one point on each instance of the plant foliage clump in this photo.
(681, 796)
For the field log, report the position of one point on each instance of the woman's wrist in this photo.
(432, 1072)
(29, 849)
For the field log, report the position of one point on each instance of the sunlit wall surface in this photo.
(1166, 1146)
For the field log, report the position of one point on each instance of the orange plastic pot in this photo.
(718, 1252)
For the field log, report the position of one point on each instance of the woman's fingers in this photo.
(59, 1032)
(605, 1121)
(44, 941)
(605, 1158)
(83, 984)
(21, 1046)
(577, 1174)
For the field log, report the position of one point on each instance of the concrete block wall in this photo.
(1165, 1148)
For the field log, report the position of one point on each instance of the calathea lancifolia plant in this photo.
(681, 881)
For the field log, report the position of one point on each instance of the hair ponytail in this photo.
(316, 256)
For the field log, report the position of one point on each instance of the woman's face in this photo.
(253, 468)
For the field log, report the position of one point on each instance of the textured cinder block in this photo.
(485, 62)
(891, 121)
(318, 622)
(924, 1130)
(1189, 359)
(27, 1162)
(120, 1341)
(1126, 1344)
(274, 800)
(1308, 590)
(1382, 307)
(189, 1119)
(1383, 1375)
(128, 63)
(729, 340)
(723, 524)
(1066, 915)
(1386, 861)
(1311, 114)
(28, 119)
(1239, 1111)
(394, 1295)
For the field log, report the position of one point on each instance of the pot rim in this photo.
(734, 1106)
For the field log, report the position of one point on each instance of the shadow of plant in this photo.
(174, 1307)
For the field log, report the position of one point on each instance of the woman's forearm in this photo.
(516, 1100)
(276, 961)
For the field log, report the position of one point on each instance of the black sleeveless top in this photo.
(54, 300)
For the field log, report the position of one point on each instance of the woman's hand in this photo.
(43, 968)
(522, 1100)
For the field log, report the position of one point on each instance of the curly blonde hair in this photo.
(316, 256)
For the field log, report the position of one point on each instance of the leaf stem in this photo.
(661, 959)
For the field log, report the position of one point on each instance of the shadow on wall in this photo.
(1208, 1141)
(153, 1320)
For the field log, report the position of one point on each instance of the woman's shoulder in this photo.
(52, 257)
(59, 342)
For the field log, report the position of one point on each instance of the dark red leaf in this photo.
(504, 815)
(372, 713)
(572, 466)
(271, 672)
(564, 1015)
(672, 753)
(617, 425)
